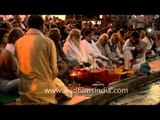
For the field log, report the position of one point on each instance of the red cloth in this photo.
(106, 76)
(83, 76)
(101, 75)
(154, 64)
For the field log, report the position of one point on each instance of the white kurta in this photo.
(149, 42)
(128, 56)
(92, 50)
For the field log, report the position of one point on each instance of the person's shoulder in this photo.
(83, 41)
(128, 40)
(144, 39)
(143, 43)
(48, 40)
(44, 39)
(6, 54)
(19, 40)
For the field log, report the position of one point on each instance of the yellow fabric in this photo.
(42, 97)
(37, 66)
(121, 41)
(121, 38)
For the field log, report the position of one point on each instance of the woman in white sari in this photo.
(73, 50)
(92, 50)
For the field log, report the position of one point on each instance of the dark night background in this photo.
(79, 7)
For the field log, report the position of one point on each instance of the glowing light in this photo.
(149, 30)
(73, 74)
(100, 16)
(33, 86)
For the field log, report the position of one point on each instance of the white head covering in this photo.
(74, 51)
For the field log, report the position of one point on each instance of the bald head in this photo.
(114, 38)
(103, 39)
(74, 32)
(54, 34)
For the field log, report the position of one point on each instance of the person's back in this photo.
(36, 50)
(37, 66)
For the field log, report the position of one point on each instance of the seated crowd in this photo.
(35, 56)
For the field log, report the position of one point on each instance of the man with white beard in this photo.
(73, 49)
